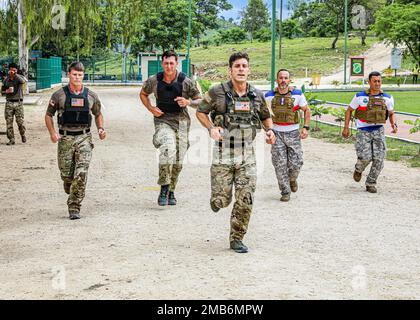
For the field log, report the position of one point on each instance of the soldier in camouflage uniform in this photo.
(236, 110)
(13, 89)
(373, 107)
(174, 91)
(74, 104)
(287, 155)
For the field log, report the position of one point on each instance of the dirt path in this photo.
(333, 240)
(378, 58)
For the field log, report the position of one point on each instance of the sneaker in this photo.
(371, 189)
(293, 185)
(74, 215)
(163, 196)
(357, 176)
(172, 199)
(67, 187)
(10, 143)
(285, 197)
(23, 139)
(238, 246)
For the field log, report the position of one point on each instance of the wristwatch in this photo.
(306, 127)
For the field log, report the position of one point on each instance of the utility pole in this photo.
(280, 30)
(345, 41)
(189, 39)
(273, 42)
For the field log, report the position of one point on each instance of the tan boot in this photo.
(285, 197)
(357, 176)
(293, 185)
(371, 189)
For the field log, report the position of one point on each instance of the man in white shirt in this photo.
(287, 154)
(373, 107)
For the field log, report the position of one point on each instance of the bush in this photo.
(204, 84)
(233, 35)
(263, 35)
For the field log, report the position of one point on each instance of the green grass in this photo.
(405, 101)
(114, 66)
(313, 53)
(396, 150)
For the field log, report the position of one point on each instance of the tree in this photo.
(315, 19)
(206, 14)
(254, 17)
(363, 16)
(167, 27)
(291, 28)
(337, 8)
(8, 29)
(399, 24)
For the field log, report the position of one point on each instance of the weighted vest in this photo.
(166, 93)
(76, 109)
(282, 106)
(376, 111)
(240, 121)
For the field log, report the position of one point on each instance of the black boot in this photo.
(163, 196)
(238, 246)
(172, 199)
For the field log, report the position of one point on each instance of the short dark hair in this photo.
(278, 72)
(374, 74)
(13, 65)
(76, 65)
(169, 53)
(236, 56)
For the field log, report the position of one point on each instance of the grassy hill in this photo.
(298, 54)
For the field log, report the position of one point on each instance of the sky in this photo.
(239, 5)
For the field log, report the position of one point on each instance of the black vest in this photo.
(166, 93)
(76, 109)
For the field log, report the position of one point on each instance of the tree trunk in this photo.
(363, 35)
(333, 45)
(23, 42)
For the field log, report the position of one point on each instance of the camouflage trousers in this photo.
(14, 109)
(287, 158)
(370, 147)
(244, 177)
(172, 145)
(74, 155)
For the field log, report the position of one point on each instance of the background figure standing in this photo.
(13, 90)
(173, 91)
(287, 154)
(237, 110)
(74, 104)
(416, 71)
(373, 107)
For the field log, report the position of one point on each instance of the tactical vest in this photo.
(76, 109)
(240, 121)
(282, 106)
(376, 111)
(166, 93)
